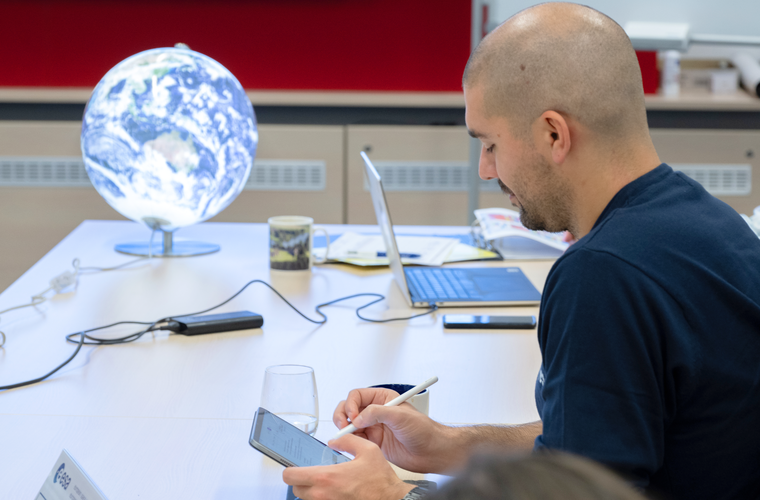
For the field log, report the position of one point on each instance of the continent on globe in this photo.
(179, 154)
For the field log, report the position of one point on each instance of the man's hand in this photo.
(366, 477)
(416, 443)
(406, 437)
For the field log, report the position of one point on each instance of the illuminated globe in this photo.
(169, 138)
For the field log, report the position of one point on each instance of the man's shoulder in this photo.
(670, 220)
(593, 268)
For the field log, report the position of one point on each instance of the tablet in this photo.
(289, 445)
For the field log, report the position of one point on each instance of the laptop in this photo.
(447, 287)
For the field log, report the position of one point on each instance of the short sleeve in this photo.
(601, 338)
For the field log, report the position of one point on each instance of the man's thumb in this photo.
(351, 444)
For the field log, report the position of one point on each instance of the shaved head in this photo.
(566, 58)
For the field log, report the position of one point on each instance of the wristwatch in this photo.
(416, 494)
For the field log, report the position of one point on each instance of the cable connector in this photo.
(172, 326)
(66, 278)
(63, 281)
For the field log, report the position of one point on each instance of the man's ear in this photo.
(552, 135)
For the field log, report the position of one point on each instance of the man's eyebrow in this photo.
(475, 134)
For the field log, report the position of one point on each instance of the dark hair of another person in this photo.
(540, 476)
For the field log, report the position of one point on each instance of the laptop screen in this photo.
(386, 227)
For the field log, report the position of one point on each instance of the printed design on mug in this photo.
(289, 248)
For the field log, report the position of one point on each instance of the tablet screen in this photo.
(291, 443)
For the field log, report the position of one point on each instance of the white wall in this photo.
(727, 17)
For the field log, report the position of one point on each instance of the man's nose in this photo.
(486, 165)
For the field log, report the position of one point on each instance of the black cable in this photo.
(96, 341)
(82, 335)
(432, 309)
(40, 379)
(121, 340)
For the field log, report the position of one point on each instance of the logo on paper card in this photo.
(61, 477)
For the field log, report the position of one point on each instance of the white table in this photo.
(169, 416)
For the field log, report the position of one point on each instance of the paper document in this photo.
(497, 223)
(463, 253)
(369, 249)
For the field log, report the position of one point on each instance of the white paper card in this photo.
(67, 481)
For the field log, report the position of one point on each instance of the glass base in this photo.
(177, 249)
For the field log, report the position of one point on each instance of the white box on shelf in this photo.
(724, 81)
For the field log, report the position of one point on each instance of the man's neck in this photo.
(603, 179)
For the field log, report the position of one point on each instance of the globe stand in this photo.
(170, 248)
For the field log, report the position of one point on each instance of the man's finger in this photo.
(354, 403)
(299, 476)
(377, 414)
(301, 491)
(339, 415)
(354, 445)
(358, 399)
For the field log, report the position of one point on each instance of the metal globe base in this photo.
(169, 248)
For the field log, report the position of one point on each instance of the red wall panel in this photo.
(402, 45)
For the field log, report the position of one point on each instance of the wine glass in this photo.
(290, 392)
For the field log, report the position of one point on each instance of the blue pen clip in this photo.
(402, 255)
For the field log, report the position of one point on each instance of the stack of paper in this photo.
(369, 249)
(464, 252)
(502, 223)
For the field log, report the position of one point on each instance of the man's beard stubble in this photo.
(552, 211)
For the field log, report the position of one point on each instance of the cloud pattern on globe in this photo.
(169, 138)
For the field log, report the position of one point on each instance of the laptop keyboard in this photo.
(440, 284)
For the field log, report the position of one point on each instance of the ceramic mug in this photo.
(291, 239)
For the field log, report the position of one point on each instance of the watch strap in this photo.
(416, 494)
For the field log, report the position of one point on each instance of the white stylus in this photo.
(395, 402)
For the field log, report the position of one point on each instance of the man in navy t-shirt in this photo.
(649, 324)
(650, 342)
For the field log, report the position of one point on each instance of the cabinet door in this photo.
(298, 170)
(726, 162)
(422, 173)
(35, 216)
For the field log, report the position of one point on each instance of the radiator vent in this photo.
(43, 171)
(720, 180)
(287, 175)
(278, 175)
(427, 176)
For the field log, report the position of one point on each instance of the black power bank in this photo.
(215, 323)
(468, 321)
